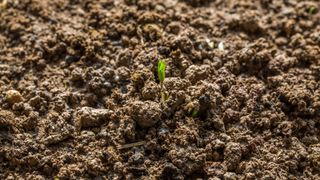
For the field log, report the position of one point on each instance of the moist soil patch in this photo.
(80, 96)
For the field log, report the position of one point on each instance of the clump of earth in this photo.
(80, 97)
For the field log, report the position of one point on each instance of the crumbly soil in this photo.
(80, 97)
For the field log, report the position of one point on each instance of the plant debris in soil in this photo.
(80, 96)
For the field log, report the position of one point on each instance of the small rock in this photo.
(13, 96)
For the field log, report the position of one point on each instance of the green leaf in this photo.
(194, 113)
(161, 70)
(312, 10)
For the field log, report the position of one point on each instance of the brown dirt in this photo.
(79, 96)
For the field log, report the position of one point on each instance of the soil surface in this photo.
(80, 96)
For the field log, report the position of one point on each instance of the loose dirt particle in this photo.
(86, 72)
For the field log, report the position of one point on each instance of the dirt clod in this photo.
(232, 156)
(13, 96)
(80, 96)
(88, 117)
(146, 113)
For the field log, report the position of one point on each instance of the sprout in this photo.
(312, 10)
(161, 70)
(161, 76)
(194, 113)
(192, 109)
(210, 43)
(221, 46)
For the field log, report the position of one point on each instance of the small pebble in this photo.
(13, 96)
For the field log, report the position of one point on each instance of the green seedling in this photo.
(194, 113)
(221, 46)
(161, 76)
(312, 10)
(193, 110)
(211, 44)
(161, 70)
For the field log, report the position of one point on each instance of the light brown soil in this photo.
(79, 95)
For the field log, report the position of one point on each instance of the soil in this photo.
(80, 97)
